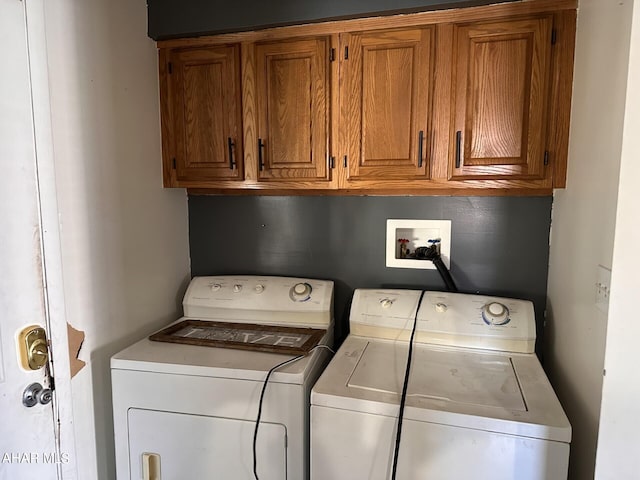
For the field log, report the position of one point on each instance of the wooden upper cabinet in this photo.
(463, 101)
(202, 116)
(500, 92)
(292, 109)
(386, 103)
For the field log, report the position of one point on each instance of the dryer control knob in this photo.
(237, 288)
(386, 302)
(441, 307)
(495, 313)
(259, 288)
(215, 287)
(300, 292)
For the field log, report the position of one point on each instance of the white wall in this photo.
(583, 222)
(619, 441)
(124, 238)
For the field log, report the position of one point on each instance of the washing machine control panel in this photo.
(260, 299)
(454, 319)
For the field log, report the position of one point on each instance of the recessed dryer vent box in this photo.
(414, 234)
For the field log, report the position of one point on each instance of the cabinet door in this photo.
(500, 87)
(205, 104)
(386, 103)
(292, 101)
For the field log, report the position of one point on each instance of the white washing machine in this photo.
(186, 412)
(478, 405)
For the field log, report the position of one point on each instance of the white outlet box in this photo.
(603, 288)
(418, 233)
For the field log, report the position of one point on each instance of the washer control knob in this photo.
(441, 307)
(259, 288)
(237, 288)
(215, 287)
(386, 302)
(300, 292)
(495, 313)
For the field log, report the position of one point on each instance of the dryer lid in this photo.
(180, 359)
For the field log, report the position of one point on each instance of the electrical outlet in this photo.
(603, 288)
(405, 236)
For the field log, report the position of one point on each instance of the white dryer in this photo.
(479, 404)
(186, 412)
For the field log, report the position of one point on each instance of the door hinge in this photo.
(173, 163)
(554, 36)
(346, 52)
(170, 68)
(546, 157)
(332, 54)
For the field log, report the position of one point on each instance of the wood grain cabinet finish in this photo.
(292, 109)
(386, 103)
(202, 125)
(500, 95)
(467, 101)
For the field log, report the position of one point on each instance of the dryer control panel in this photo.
(260, 299)
(444, 318)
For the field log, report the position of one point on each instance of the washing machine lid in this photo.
(179, 359)
(493, 391)
(453, 376)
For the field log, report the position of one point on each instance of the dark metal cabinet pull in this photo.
(458, 147)
(230, 144)
(260, 157)
(420, 142)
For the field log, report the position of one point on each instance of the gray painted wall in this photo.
(188, 18)
(500, 245)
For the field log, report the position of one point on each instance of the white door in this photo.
(28, 446)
